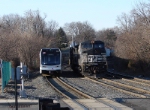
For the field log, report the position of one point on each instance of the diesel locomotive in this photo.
(88, 57)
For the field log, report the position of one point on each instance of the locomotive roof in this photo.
(96, 41)
(45, 49)
(49, 48)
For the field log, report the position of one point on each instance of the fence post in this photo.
(1, 74)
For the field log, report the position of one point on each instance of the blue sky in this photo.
(100, 13)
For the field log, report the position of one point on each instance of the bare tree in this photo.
(108, 36)
(80, 31)
(23, 37)
(8, 37)
(51, 28)
(134, 29)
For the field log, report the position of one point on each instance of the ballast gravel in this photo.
(138, 85)
(35, 87)
(95, 90)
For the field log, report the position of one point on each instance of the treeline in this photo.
(133, 39)
(130, 39)
(22, 37)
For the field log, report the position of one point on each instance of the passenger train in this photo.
(50, 61)
(88, 57)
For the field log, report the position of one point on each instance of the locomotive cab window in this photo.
(98, 46)
(86, 45)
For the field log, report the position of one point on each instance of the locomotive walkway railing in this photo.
(5, 73)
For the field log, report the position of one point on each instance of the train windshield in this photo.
(50, 57)
(98, 45)
(95, 45)
(87, 45)
(99, 48)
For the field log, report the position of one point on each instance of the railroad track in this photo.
(82, 100)
(116, 88)
(142, 80)
(137, 81)
(66, 90)
(125, 88)
(125, 85)
(134, 80)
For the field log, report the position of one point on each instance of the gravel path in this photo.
(35, 87)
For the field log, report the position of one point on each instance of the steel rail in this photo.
(76, 90)
(113, 87)
(139, 80)
(57, 89)
(135, 81)
(70, 87)
(127, 86)
(142, 80)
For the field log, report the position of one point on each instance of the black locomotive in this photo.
(88, 57)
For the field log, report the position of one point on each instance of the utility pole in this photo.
(16, 100)
(73, 44)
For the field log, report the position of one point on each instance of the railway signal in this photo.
(22, 73)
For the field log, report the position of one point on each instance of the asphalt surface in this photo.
(136, 104)
(24, 104)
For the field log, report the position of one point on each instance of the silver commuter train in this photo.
(50, 61)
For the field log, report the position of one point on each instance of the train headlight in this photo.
(21, 77)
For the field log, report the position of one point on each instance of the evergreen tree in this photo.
(61, 38)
